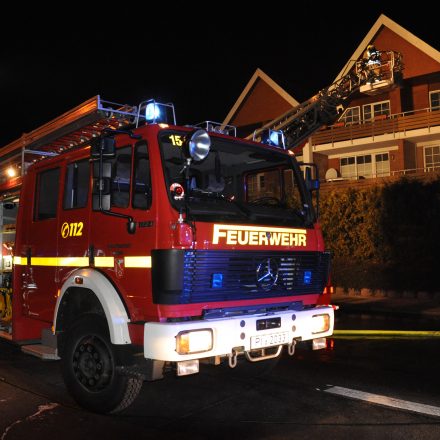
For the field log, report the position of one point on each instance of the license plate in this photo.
(269, 340)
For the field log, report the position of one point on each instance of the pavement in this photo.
(405, 304)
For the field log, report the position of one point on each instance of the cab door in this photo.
(39, 250)
(73, 219)
(126, 258)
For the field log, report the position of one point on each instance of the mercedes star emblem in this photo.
(267, 273)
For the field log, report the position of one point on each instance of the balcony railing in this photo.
(383, 124)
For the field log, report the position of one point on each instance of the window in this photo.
(252, 187)
(434, 100)
(240, 167)
(142, 177)
(352, 115)
(382, 164)
(292, 191)
(121, 176)
(348, 167)
(376, 109)
(356, 167)
(364, 166)
(268, 185)
(76, 188)
(432, 157)
(48, 183)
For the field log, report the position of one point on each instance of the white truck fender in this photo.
(107, 295)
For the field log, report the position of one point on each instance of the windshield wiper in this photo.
(206, 194)
(197, 192)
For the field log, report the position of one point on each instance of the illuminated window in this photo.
(376, 109)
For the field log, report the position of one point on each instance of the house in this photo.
(248, 113)
(396, 132)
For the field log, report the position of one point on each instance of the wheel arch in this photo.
(89, 291)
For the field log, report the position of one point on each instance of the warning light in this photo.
(11, 172)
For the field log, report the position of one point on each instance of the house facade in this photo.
(393, 133)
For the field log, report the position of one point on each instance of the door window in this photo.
(142, 177)
(121, 177)
(76, 187)
(48, 183)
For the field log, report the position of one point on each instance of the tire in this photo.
(90, 371)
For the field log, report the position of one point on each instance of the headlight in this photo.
(320, 323)
(194, 341)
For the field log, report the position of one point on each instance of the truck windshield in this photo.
(236, 182)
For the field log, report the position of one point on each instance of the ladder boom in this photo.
(300, 122)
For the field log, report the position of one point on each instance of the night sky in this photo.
(198, 59)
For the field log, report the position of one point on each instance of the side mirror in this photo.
(311, 184)
(9, 205)
(101, 202)
(103, 146)
(106, 170)
(102, 172)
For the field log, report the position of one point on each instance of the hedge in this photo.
(384, 237)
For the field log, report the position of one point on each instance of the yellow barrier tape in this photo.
(387, 333)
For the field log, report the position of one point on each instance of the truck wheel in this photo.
(89, 368)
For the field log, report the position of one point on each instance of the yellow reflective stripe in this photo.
(104, 261)
(44, 261)
(71, 261)
(60, 261)
(137, 261)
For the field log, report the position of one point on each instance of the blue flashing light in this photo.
(307, 279)
(152, 112)
(217, 280)
(274, 138)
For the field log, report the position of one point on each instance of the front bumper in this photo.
(230, 333)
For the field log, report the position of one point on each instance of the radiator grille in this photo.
(299, 273)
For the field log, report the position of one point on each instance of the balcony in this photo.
(395, 125)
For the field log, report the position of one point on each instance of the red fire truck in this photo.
(161, 245)
(141, 245)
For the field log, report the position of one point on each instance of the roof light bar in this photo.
(218, 127)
